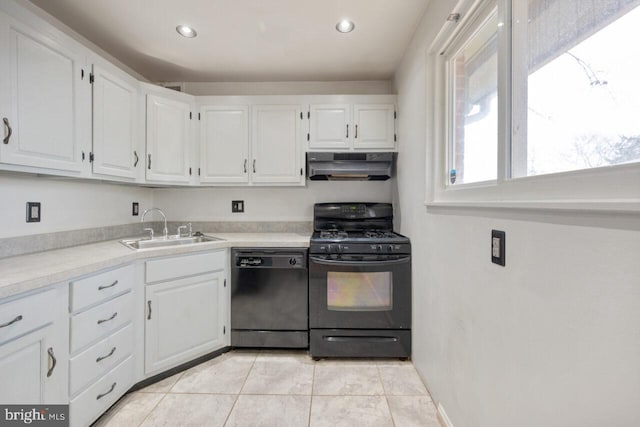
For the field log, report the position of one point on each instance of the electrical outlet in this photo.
(237, 206)
(498, 244)
(34, 212)
(135, 210)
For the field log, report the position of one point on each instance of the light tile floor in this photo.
(281, 388)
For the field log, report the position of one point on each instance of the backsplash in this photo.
(21, 245)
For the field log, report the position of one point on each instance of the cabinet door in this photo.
(28, 373)
(34, 349)
(330, 126)
(114, 124)
(374, 126)
(40, 98)
(276, 145)
(167, 140)
(184, 320)
(224, 144)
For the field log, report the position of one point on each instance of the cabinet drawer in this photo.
(100, 358)
(26, 314)
(158, 270)
(100, 321)
(103, 393)
(99, 287)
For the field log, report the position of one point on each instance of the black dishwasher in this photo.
(269, 298)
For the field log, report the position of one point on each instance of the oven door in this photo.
(360, 291)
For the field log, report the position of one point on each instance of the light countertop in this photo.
(28, 272)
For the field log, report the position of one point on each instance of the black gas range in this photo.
(359, 283)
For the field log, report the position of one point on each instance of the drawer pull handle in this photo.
(9, 130)
(17, 319)
(100, 396)
(101, 358)
(149, 315)
(347, 131)
(54, 361)
(113, 316)
(107, 286)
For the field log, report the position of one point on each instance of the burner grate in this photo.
(333, 234)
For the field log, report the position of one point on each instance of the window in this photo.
(582, 88)
(473, 109)
(537, 102)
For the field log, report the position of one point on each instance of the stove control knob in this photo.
(379, 248)
(338, 248)
(329, 248)
(293, 261)
(390, 248)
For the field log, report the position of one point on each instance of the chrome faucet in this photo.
(165, 232)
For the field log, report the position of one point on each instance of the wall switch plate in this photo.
(237, 206)
(34, 212)
(135, 210)
(498, 245)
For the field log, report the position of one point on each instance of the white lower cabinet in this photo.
(102, 341)
(96, 399)
(34, 348)
(185, 316)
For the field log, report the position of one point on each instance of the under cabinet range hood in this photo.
(350, 166)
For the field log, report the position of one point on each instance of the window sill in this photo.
(581, 206)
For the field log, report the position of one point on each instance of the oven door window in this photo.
(361, 291)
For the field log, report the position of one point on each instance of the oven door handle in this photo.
(359, 263)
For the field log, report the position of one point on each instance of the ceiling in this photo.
(247, 40)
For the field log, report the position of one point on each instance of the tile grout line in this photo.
(386, 398)
(313, 383)
(153, 409)
(235, 402)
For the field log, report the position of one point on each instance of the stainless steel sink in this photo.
(146, 243)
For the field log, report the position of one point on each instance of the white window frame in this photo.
(609, 188)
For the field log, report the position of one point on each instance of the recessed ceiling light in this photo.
(186, 31)
(345, 26)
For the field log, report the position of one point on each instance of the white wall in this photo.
(265, 203)
(553, 338)
(66, 204)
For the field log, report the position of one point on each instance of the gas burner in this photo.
(377, 234)
(333, 234)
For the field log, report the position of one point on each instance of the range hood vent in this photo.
(350, 166)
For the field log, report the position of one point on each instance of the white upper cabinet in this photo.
(329, 126)
(276, 144)
(365, 125)
(168, 140)
(374, 126)
(42, 86)
(115, 96)
(224, 144)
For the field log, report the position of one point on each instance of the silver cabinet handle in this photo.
(356, 135)
(9, 130)
(113, 316)
(11, 322)
(254, 165)
(101, 358)
(107, 286)
(149, 315)
(245, 165)
(135, 163)
(54, 361)
(100, 396)
(347, 131)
